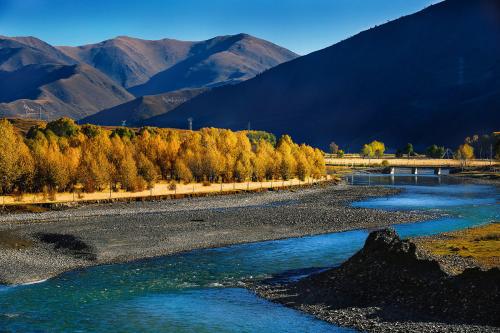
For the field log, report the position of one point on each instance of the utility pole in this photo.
(491, 154)
(190, 123)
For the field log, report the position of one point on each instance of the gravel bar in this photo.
(119, 232)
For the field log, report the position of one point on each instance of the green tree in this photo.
(64, 127)
(409, 151)
(123, 132)
(90, 131)
(435, 151)
(256, 136)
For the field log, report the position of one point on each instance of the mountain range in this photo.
(36, 77)
(430, 77)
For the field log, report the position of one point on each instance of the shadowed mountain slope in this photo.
(136, 111)
(431, 77)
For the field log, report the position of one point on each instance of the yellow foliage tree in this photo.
(16, 163)
(63, 154)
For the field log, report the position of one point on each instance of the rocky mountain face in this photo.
(431, 77)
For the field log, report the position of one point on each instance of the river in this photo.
(201, 291)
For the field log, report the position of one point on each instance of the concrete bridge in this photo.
(407, 163)
(418, 170)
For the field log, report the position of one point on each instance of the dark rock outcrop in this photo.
(390, 277)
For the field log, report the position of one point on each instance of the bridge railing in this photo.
(403, 162)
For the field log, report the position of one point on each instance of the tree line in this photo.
(476, 146)
(62, 156)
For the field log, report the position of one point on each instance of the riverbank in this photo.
(392, 285)
(38, 246)
(160, 191)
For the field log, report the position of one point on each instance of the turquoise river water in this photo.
(201, 291)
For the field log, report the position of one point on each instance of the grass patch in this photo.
(481, 244)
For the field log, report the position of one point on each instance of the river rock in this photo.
(389, 282)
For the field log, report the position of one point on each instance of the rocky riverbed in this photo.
(390, 286)
(37, 246)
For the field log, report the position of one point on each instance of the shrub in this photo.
(385, 163)
(172, 186)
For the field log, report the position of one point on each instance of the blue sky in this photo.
(300, 25)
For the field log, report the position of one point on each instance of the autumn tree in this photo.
(124, 169)
(95, 170)
(287, 162)
(61, 155)
(367, 151)
(465, 153)
(243, 166)
(263, 161)
(16, 162)
(378, 148)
